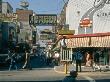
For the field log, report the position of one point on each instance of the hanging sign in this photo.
(43, 19)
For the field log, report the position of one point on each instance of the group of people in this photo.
(13, 60)
(89, 58)
(13, 57)
(53, 58)
(79, 57)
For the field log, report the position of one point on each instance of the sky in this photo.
(41, 6)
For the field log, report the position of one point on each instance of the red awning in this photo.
(87, 40)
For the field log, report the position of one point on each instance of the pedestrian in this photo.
(89, 59)
(13, 62)
(71, 77)
(48, 58)
(106, 56)
(27, 49)
(57, 58)
(78, 58)
(27, 64)
(96, 57)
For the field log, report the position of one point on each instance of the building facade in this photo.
(46, 37)
(6, 8)
(25, 28)
(97, 11)
(0, 6)
(8, 27)
(90, 19)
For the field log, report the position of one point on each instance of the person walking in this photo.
(78, 58)
(71, 77)
(13, 62)
(27, 64)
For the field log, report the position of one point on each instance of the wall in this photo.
(0, 6)
(6, 8)
(26, 30)
(77, 10)
(23, 15)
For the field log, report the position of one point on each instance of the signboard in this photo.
(8, 17)
(43, 37)
(43, 19)
(86, 22)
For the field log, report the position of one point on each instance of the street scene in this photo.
(54, 41)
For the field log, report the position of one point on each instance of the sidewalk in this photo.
(61, 68)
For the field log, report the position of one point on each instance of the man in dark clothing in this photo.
(71, 78)
(13, 62)
(78, 58)
(96, 57)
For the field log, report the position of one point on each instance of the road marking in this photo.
(89, 78)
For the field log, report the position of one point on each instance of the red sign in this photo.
(86, 22)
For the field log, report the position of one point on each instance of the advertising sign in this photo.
(8, 17)
(43, 19)
(86, 22)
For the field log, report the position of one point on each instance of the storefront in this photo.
(92, 43)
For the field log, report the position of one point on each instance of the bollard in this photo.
(65, 69)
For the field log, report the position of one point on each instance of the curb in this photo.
(59, 71)
(84, 72)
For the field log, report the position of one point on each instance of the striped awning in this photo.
(100, 41)
(77, 42)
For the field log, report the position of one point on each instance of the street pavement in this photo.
(84, 68)
(50, 75)
(87, 74)
(42, 73)
(37, 74)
